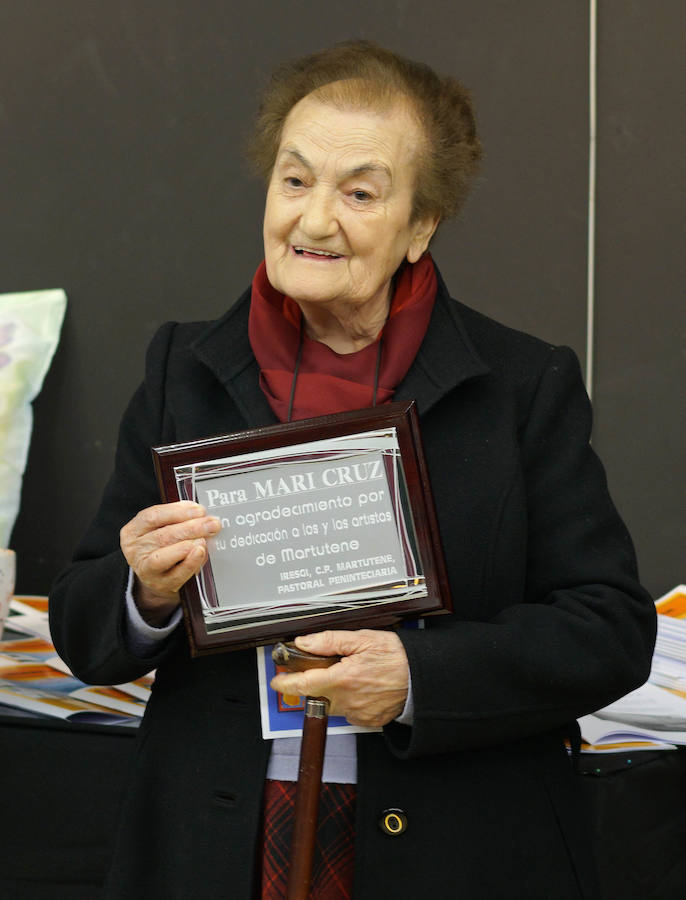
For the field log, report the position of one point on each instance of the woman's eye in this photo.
(362, 196)
(293, 182)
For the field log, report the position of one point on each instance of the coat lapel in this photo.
(225, 349)
(446, 359)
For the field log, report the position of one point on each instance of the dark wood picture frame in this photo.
(401, 416)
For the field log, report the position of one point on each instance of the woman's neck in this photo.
(343, 327)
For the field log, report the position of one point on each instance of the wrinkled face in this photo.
(337, 218)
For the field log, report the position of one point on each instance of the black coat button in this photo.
(393, 822)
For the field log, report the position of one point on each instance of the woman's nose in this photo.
(318, 218)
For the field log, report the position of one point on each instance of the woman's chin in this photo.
(312, 289)
(311, 297)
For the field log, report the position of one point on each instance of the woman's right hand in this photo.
(165, 546)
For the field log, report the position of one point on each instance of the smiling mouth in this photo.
(311, 253)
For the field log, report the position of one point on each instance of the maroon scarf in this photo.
(328, 381)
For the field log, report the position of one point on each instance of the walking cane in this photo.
(310, 770)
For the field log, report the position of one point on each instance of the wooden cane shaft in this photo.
(307, 798)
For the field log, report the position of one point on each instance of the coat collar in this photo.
(225, 349)
(446, 359)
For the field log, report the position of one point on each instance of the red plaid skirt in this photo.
(332, 873)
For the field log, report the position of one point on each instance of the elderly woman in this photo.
(364, 154)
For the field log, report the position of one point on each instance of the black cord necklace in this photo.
(298, 357)
(296, 369)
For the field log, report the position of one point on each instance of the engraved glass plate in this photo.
(326, 523)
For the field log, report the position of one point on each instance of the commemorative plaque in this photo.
(326, 523)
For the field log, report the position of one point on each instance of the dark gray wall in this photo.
(121, 126)
(641, 315)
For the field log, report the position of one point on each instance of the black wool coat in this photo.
(549, 623)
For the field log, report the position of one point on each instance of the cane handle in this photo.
(295, 660)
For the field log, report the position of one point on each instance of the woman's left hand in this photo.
(368, 686)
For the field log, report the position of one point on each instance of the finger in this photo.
(328, 643)
(168, 568)
(188, 567)
(192, 529)
(145, 545)
(154, 517)
(344, 643)
(371, 719)
(313, 683)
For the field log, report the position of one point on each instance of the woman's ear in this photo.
(423, 231)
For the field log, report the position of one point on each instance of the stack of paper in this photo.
(606, 736)
(654, 716)
(669, 661)
(34, 680)
(29, 615)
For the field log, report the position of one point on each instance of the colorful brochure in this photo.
(59, 706)
(282, 714)
(33, 679)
